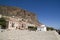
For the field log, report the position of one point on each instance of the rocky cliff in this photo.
(18, 12)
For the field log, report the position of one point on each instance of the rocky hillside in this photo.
(18, 12)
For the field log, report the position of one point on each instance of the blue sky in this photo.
(47, 11)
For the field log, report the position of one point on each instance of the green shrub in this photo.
(32, 28)
(3, 23)
(50, 28)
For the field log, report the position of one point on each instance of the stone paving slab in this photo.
(28, 35)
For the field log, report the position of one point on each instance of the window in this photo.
(28, 14)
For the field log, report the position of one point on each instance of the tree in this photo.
(50, 28)
(3, 23)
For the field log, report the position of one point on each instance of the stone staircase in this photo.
(28, 35)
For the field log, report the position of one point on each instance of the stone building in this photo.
(17, 23)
